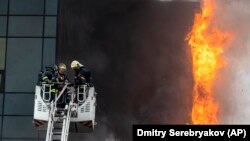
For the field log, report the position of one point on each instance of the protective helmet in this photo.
(75, 64)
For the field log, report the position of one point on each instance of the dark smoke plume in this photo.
(141, 64)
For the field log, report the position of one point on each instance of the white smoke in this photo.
(233, 88)
(111, 137)
(101, 133)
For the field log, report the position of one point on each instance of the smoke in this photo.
(102, 133)
(233, 84)
(140, 63)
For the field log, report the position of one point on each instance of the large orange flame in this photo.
(206, 43)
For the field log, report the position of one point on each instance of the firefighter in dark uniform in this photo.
(49, 76)
(56, 76)
(61, 75)
(82, 74)
(61, 79)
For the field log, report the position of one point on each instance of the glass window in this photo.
(25, 26)
(1, 82)
(1, 123)
(51, 7)
(20, 139)
(24, 57)
(18, 127)
(1, 104)
(28, 7)
(19, 104)
(50, 26)
(3, 6)
(3, 25)
(49, 52)
(2, 53)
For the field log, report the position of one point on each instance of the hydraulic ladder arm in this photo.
(58, 130)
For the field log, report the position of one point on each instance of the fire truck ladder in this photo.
(59, 120)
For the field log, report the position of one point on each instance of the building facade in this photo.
(27, 43)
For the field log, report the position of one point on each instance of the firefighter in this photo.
(82, 74)
(48, 77)
(61, 74)
(61, 79)
(48, 74)
(56, 76)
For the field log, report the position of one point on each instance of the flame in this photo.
(206, 43)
